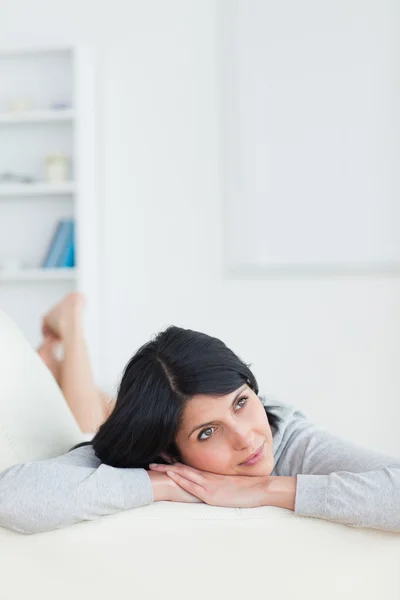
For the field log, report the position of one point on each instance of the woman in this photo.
(189, 404)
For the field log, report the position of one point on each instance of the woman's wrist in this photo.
(280, 491)
(160, 484)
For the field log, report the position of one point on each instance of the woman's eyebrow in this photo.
(211, 422)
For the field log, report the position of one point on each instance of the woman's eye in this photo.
(242, 402)
(207, 431)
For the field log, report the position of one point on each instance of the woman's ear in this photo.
(166, 457)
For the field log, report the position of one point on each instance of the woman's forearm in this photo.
(280, 491)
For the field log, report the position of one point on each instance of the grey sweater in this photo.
(336, 480)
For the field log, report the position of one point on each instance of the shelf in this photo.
(37, 189)
(36, 116)
(12, 50)
(38, 275)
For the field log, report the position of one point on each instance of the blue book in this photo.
(67, 256)
(56, 245)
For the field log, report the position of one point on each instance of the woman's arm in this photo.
(42, 495)
(50, 494)
(369, 499)
(338, 480)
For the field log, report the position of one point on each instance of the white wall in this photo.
(330, 346)
(313, 130)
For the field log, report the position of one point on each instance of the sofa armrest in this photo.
(35, 420)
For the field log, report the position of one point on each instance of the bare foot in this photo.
(48, 353)
(63, 315)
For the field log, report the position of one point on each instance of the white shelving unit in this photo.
(36, 116)
(37, 189)
(38, 275)
(55, 86)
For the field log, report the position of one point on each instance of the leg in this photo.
(48, 353)
(63, 324)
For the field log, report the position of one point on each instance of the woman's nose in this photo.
(243, 438)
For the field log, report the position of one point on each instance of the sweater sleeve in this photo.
(340, 481)
(42, 495)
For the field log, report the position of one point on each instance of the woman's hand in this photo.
(236, 491)
(164, 488)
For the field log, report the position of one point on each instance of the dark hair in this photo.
(158, 381)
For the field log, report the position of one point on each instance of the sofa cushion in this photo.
(35, 420)
(194, 551)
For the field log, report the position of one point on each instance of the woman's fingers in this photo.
(164, 468)
(189, 486)
(183, 470)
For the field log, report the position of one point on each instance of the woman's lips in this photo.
(258, 456)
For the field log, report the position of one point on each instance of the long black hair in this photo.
(158, 381)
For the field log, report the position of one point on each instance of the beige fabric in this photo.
(35, 420)
(169, 550)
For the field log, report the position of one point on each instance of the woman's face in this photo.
(220, 433)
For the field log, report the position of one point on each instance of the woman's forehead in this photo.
(208, 405)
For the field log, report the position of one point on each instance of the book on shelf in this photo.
(61, 251)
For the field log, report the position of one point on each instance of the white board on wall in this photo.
(311, 139)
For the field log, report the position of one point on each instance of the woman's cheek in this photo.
(206, 459)
(193, 458)
(215, 460)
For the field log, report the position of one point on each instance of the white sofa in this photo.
(169, 550)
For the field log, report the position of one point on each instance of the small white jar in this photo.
(57, 167)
